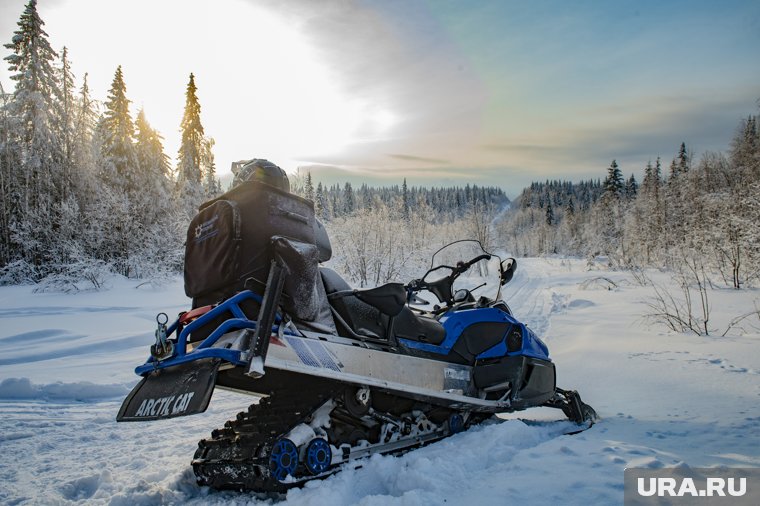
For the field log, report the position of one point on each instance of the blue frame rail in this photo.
(205, 348)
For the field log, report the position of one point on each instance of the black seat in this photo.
(408, 325)
(357, 316)
(367, 320)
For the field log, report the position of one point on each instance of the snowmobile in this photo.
(341, 373)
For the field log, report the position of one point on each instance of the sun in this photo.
(289, 104)
(266, 90)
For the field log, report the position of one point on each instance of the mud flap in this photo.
(167, 393)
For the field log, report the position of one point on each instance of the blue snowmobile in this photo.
(342, 373)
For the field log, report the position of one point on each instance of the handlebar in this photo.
(442, 288)
(474, 261)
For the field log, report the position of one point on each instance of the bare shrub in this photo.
(84, 274)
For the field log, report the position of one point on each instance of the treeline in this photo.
(703, 213)
(389, 233)
(448, 203)
(84, 187)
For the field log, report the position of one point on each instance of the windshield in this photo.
(457, 251)
(445, 260)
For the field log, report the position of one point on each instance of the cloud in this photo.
(631, 132)
(412, 158)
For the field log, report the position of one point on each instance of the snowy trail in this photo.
(665, 400)
(528, 296)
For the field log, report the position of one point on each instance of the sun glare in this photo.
(263, 87)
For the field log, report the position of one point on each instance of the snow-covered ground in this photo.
(66, 361)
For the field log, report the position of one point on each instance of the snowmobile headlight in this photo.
(514, 340)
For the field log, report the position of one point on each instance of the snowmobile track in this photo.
(237, 456)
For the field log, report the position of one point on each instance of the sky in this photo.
(446, 92)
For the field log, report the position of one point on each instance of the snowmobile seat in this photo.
(354, 317)
(408, 325)
(370, 313)
(389, 298)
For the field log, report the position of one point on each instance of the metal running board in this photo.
(348, 361)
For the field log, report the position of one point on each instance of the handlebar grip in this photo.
(478, 259)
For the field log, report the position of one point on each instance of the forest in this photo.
(700, 213)
(88, 191)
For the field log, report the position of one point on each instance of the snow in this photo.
(66, 362)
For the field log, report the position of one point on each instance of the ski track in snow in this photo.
(60, 310)
(665, 400)
(528, 298)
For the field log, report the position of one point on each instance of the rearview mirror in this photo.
(507, 268)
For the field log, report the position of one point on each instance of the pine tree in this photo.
(631, 188)
(212, 188)
(119, 163)
(37, 179)
(549, 214)
(337, 209)
(121, 183)
(319, 202)
(152, 210)
(309, 187)
(614, 183)
(189, 173)
(745, 149)
(10, 157)
(67, 120)
(348, 199)
(366, 197)
(675, 207)
(649, 181)
(683, 160)
(405, 201)
(152, 162)
(85, 120)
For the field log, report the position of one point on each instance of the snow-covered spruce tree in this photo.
(614, 183)
(153, 207)
(10, 159)
(734, 205)
(549, 214)
(606, 221)
(308, 187)
(405, 200)
(85, 157)
(85, 120)
(190, 192)
(320, 208)
(676, 210)
(119, 167)
(745, 149)
(212, 188)
(35, 184)
(66, 123)
(365, 200)
(348, 199)
(153, 172)
(631, 188)
(651, 201)
(119, 181)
